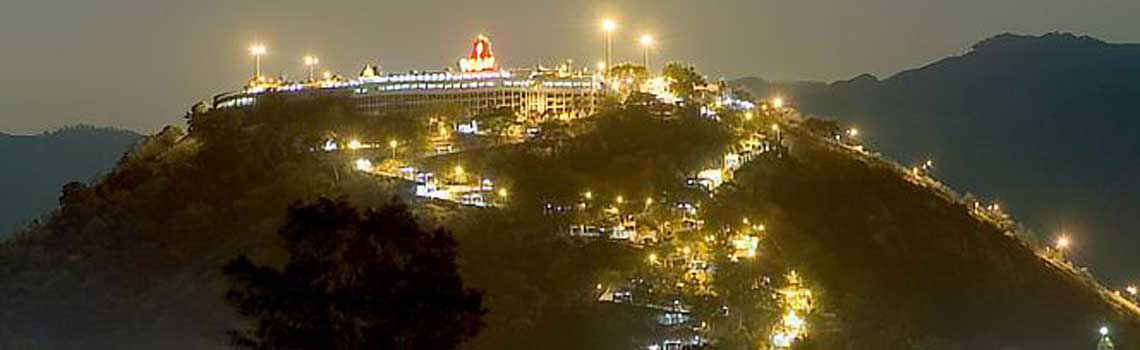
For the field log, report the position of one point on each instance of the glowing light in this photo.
(793, 321)
(1132, 290)
(588, 195)
(258, 50)
(481, 57)
(364, 165)
(748, 116)
(778, 102)
(459, 170)
(1063, 242)
(503, 193)
(648, 202)
(355, 145)
(327, 75)
(1104, 331)
(609, 25)
(775, 127)
(311, 62)
(782, 340)
(652, 258)
(852, 132)
(393, 144)
(601, 66)
(646, 40)
(330, 146)
(620, 200)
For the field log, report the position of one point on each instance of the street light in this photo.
(311, 62)
(778, 102)
(1132, 290)
(646, 44)
(393, 144)
(608, 25)
(620, 200)
(1063, 243)
(1103, 331)
(852, 132)
(589, 195)
(257, 50)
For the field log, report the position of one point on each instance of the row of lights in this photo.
(258, 50)
(609, 26)
(1061, 244)
(646, 41)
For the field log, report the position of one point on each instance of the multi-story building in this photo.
(478, 86)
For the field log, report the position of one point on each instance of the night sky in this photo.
(140, 64)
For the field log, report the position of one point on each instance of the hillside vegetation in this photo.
(133, 260)
(1046, 124)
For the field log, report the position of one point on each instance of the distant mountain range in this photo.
(36, 166)
(1047, 125)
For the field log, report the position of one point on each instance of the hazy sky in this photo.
(140, 64)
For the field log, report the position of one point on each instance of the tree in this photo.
(496, 121)
(682, 78)
(629, 76)
(371, 279)
(629, 70)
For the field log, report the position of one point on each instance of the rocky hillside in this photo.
(132, 261)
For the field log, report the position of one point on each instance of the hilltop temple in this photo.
(479, 85)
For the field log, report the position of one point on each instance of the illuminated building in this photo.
(479, 85)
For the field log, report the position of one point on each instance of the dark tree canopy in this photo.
(371, 279)
(683, 78)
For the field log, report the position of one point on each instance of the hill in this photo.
(1044, 124)
(36, 166)
(132, 261)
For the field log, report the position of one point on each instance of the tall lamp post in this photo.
(257, 50)
(311, 62)
(1062, 245)
(646, 44)
(1105, 342)
(609, 26)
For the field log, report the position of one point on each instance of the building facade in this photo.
(477, 87)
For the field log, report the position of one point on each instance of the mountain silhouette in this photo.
(1047, 125)
(36, 166)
